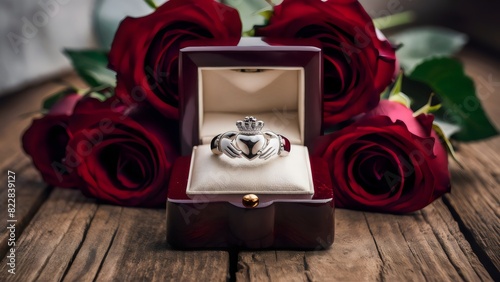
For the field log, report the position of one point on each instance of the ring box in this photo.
(281, 85)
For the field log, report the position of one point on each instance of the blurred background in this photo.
(33, 33)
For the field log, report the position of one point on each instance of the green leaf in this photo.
(385, 93)
(393, 93)
(91, 66)
(457, 94)
(249, 33)
(401, 98)
(51, 100)
(250, 12)
(427, 108)
(99, 96)
(397, 86)
(423, 43)
(447, 143)
(101, 93)
(267, 14)
(393, 88)
(447, 128)
(394, 20)
(152, 4)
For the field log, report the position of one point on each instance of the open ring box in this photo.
(280, 85)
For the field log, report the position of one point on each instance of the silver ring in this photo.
(250, 142)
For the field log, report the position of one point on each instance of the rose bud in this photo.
(46, 139)
(123, 154)
(387, 161)
(145, 50)
(358, 64)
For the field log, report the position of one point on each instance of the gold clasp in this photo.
(250, 201)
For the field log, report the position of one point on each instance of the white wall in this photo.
(424, 8)
(33, 33)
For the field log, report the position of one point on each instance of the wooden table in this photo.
(61, 235)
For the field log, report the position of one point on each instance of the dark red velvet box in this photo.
(204, 223)
(280, 83)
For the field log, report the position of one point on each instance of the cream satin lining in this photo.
(274, 95)
(220, 175)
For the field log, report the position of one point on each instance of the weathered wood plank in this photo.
(52, 238)
(139, 252)
(129, 244)
(98, 240)
(475, 197)
(31, 191)
(426, 245)
(352, 257)
(460, 259)
(475, 202)
(72, 237)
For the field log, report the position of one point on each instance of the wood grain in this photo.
(95, 247)
(139, 252)
(73, 238)
(475, 197)
(353, 257)
(458, 251)
(52, 238)
(475, 202)
(31, 191)
(423, 246)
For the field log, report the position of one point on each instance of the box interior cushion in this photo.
(180, 173)
(273, 95)
(220, 175)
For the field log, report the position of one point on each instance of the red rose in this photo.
(145, 50)
(358, 65)
(123, 154)
(387, 161)
(46, 139)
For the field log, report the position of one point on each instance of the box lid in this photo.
(280, 85)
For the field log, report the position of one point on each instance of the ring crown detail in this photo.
(250, 125)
